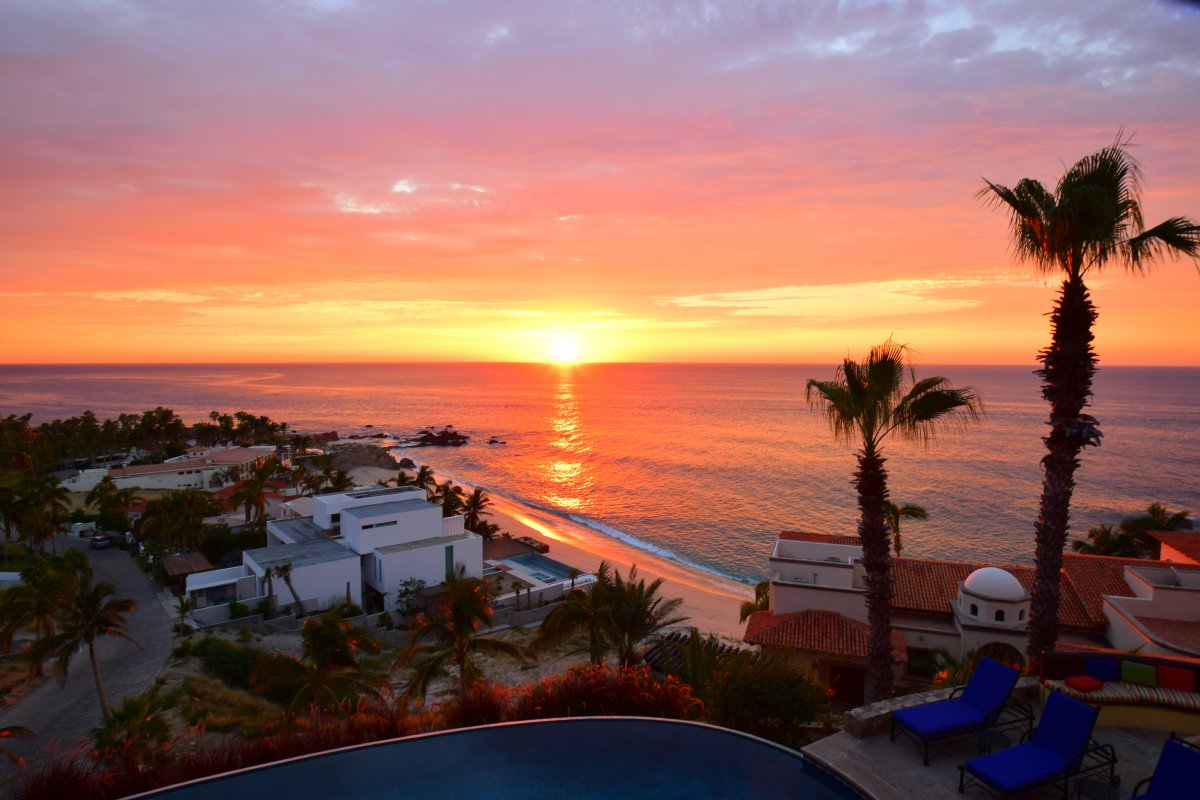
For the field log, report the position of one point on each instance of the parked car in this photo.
(101, 541)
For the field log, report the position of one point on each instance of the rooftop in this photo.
(804, 536)
(420, 543)
(385, 509)
(1186, 542)
(815, 630)
(301, 529)
(300, 554)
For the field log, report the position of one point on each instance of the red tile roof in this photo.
(803, 536)
(1186, 542)
(185, 564)
(816, 630)
(238, 455)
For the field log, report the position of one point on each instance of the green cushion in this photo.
(1142, 674)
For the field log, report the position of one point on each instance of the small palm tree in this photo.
(1092, 219)
(44, 509)
(636, 614)
(38, 602)
(426, 480)
(865, 403)
(132, 734)
(251, 494)
(449, 497)
(761, 601)
(583, 610)
(1104, 540)
(284, 573)
(448, 637)
(895, 513)
(403, 479)
(183, 607)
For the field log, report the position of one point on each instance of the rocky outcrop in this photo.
(349, 456)
(446, 437)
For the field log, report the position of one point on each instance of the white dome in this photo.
(994, 584)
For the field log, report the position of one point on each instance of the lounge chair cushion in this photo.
(1119, 693)
(1141, 674)
(989, 687)
(1176, 678)
(1105, 669)
(1065, 727)
(1084, 683)
(1012, 770)
(1175, 774)
(933, 719)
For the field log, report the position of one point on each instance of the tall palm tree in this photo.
(111, 502)
(895, 513)
(10, 513)
(636, 614)
(449, 497)
(94, 611)
(177, 518)
(475, 507)
(1104, 540)
(252, 493)
(865, 403)
(583, 609)
(1091, 220)
(448, 637)
(38, 602)
(284, 573)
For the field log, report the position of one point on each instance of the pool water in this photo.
(544, 569)
(582, 759)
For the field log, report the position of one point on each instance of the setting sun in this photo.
(565, 349)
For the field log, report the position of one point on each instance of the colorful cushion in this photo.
(1141, 674)
(1084, 683)
(1176, 678)
(1105, 669)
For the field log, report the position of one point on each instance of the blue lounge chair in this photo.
(1055, 753)
(979, 705)
(1175, 775)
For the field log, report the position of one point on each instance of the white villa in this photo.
(375, 537)
(192, 471)
(818, 606)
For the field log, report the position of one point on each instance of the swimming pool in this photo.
(582, 759)
(546, 570)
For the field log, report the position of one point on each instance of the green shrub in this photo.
(228, 662)
(768, 697)
(238, 610)
(593, 690)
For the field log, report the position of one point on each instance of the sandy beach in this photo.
(710, 602)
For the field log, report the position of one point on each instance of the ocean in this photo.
(698, 464)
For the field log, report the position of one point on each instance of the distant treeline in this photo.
(86, 439)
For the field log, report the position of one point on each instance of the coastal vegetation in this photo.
(1091, 220)
(1131, 539)
(866, 402)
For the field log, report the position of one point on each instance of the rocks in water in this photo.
(446, 437)
(407, 463)
(349, 456)
(494, 440)
(319, 439)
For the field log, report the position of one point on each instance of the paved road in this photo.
(67, 713)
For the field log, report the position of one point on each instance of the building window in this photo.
(1000, 615)
(449, 559)
(1021, 615)
(974, 610)
(336, 518)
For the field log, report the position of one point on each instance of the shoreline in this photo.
(710, 602)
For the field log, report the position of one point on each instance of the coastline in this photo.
(710, 602)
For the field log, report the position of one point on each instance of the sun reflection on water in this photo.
(567, 476)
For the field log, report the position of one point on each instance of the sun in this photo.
(565, 349)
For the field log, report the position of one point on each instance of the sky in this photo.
(371, 180)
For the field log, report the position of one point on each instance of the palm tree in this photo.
(636, 614)
(865, 403)
(177, 518)
(895, 513)
(449, 497)
(284, 573)
(1091, 219)
(1104, 540)
(449, 637)
(10, 513)
(37, 602)
(329, 672)
(426, 480)
(583, 609)
(474, 508)
(44, 509)
(1155, 518)
(133, 733)
(252, 493)
(403, 479)
(94, 611)
(761, 601)
(183, 607)
(339, 480)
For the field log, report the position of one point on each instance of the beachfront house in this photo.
(818, 608)
(357, 545)
(184, 472)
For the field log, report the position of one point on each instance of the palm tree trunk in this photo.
(96, 675)
(1068, 366)
(871, 482)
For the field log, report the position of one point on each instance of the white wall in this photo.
(410, 522)
(425, 563)
(790, 598)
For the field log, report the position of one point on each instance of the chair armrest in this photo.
(955, 692)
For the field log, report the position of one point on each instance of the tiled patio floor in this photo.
(889, 770)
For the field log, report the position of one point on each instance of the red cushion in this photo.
(1176, 678)
(1084, 683)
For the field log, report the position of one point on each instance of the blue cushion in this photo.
(990, 685)
(1017, 768)
(1105, 669)
(939, 717)
(1065, 727)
